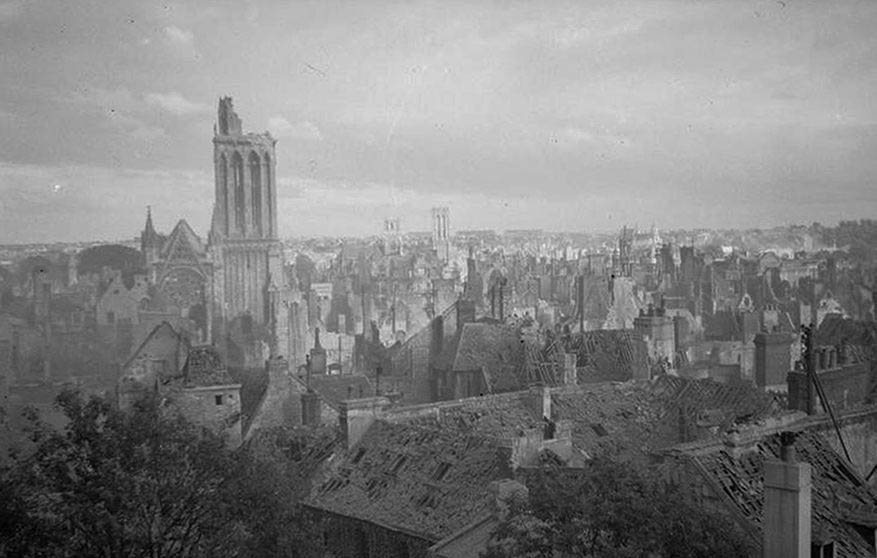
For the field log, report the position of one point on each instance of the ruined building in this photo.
(440, 235)
(250, 292)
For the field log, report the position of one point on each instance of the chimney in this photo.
(438, 337)
(318, 355)
(311, 407)
(278, 371)
(465, 312)
(356, 415)
(570, 373)
(539, 401)
(787, 488)
(773, 359)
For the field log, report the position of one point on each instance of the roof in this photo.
(837, 491)
(609, 355)
(204, 367)
(835, 330)
(336, 388)
(182, 244)
(427, 481)
(162, 327)
(495, 348)
(632, 418)
(428, 475)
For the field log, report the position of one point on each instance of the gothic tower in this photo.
(440, 237)
(250, 287)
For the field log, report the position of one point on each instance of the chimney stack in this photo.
(539, 398)
(787, 501)
(311, 407)
(570, 373)
(318, 355)
(356, 415)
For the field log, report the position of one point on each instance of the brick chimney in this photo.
(465, 312)
(570, 373)
(773, 359)
(318, 355)
(356, 415)
(311, 408)
(787, 487)
(539, 401)
(278, 371)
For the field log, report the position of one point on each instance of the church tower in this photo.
(440, 237)
(250, 287)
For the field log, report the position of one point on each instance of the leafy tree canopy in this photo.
(141, 483)
(614, 510)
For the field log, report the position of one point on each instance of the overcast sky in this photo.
(578, 116)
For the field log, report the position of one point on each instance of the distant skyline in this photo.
(578, 116)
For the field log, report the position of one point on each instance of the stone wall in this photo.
(215, 407)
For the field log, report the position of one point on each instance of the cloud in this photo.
(179, 36)
(280, 127)
(82, 202)
(119, 99)
(134, 127)
(10, 11)
(181, 41)
(175, 103)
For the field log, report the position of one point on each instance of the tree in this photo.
(140, 483)
(610, 509)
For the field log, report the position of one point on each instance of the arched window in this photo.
(268, 196)
(237, 171)
(222, 179)
(256, 180)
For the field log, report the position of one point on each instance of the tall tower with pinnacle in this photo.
(440, 233)
(250, 285)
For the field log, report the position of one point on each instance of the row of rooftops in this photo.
(426, 469)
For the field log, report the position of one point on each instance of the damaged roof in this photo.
(427, 475)
(630, 419)
(840, 497)
(496, 349)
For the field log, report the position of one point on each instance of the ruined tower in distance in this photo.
(440, 233)
(250, 291)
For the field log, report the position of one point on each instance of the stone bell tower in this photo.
(250, 284)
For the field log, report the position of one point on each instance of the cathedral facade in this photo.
(233, 288)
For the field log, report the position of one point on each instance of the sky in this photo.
(578, 116)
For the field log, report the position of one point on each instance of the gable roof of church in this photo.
(183, 237)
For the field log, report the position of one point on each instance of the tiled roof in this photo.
(494, 347)
(609, 355)
(428, 474)
(204, 367)
(426, 481)
(835, 330)
(631, 418)
(336, 388)
(836, 490)
(498, 416)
